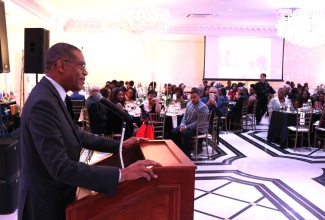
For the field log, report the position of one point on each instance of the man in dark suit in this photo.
(235, 112)
(97, 113)
(263, 91)
(50, 144)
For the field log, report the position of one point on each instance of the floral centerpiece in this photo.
(166, 99)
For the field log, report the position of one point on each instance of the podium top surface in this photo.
(165, 152)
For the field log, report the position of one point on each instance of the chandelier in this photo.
(302, 26)
(141, 20)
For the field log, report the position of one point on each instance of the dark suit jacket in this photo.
(236, 110)
(49, 149)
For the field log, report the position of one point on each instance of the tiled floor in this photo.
(251, 179)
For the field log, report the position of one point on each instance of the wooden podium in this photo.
(170, 196)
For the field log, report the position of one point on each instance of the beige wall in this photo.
(174, 58)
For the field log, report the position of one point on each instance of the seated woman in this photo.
(318, 104)
(179, 97)
(115, 122)
(118, 98)
(223, 94)
(130, 95)
(279, 102)
(251, 99)
(232, 92)
(302, 98)
(205, 91)
(150, 106)
(182, 86)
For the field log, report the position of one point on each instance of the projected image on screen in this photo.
(243, 58)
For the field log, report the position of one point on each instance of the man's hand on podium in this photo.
(133, 141)
(139, 169)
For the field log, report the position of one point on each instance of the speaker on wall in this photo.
(4, 55)
(35, 47)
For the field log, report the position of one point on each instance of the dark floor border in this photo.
(228, 161)
(273, 198)
(304, 158)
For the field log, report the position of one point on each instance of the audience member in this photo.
(302, 98)
(105, 92)
(279, 102)
(318, 104)
(130, 95)
(76, 96)
(251, 99)
(96, 112)
(232, 92)
(179, 97)
(150, 106)
(118, 98)
(182, 135)
(228, 87)
(235, 112)
(214, 105)
(223, 95)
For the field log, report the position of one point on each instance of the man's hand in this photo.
(182, 128)
(139, 169)
(132, 141)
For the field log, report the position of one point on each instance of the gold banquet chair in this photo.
(251, 118)
(303, 120)
(77, 106)
(158, 122)
(214, 133)
(224, 121)
(319, 136)
(202, 123)
(86, 154)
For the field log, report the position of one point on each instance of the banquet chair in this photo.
(243, 118)
(158, 122)
(86, 127)
(214, 133)
(320, 136)
(77, 106)
(251, 118)
(224, 121)
(303, 125)
(202, 123)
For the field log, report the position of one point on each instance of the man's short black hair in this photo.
(263, 74)
(195, 90)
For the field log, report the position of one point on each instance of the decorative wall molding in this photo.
(74, 25)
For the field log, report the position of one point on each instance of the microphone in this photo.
(111, 106)
(116, 110)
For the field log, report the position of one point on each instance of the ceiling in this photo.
(187, 16)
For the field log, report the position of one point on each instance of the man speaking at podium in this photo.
(50, 144)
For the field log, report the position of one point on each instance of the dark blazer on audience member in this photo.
(236, 110)
(50, 143)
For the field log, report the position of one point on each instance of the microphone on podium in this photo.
(111, 106)
(119, 112)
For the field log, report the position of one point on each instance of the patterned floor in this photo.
(251, 179)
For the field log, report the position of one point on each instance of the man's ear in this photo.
(60, 64)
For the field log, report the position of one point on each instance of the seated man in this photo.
(96, 112)
(182, 135)
(235, 112)
(214, 105)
